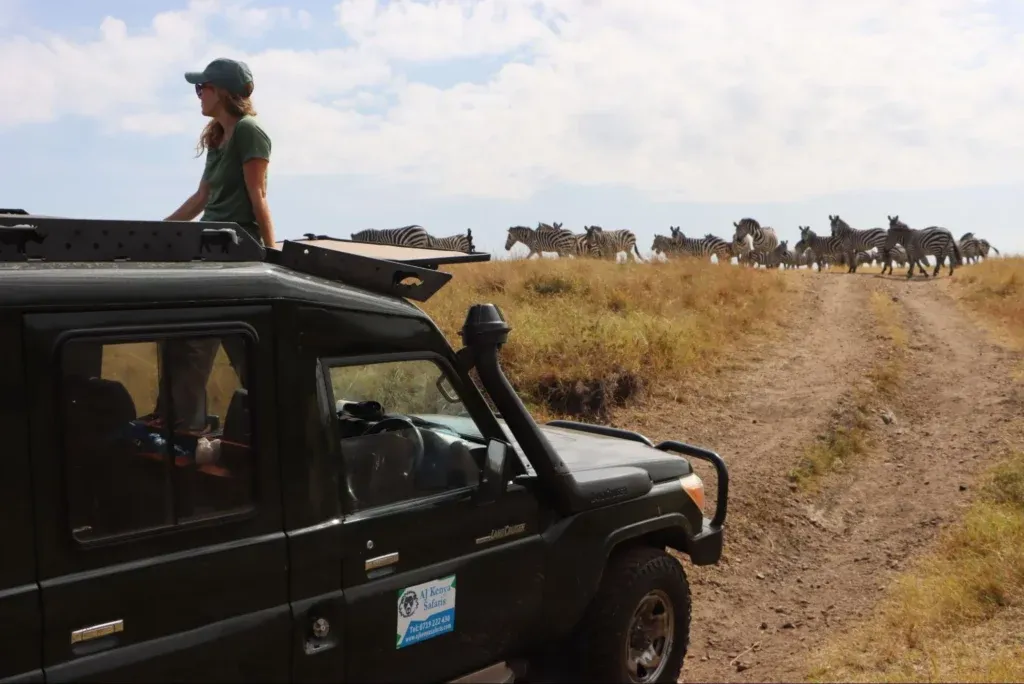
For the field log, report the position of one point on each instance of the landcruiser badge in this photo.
(502, 532)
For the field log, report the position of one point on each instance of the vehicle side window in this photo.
(403, 436)
(156, 433)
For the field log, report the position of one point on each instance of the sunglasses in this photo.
(200, 87)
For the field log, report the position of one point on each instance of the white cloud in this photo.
(703, 100)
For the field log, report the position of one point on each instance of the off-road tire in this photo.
(629, 576)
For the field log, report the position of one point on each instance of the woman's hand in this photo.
(193, 205)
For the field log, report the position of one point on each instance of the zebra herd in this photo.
(756, 245)
(752, 244)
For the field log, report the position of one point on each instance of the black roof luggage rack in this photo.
(26, 237)
(385, 269)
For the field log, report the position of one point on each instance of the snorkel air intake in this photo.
(483, 333)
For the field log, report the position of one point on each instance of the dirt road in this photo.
(799, 564)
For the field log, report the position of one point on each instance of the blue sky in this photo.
(456, 114)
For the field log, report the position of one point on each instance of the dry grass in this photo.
(994, 289)
(588, 335)
(957, 615)
(849, 436)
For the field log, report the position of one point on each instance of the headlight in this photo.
(694, 486)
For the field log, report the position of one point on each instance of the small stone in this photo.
(760, 575)
(764, 625)
(741, 666)
(787, 625)
(963, 488)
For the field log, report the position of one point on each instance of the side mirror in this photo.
(493, 480)
(446, 390)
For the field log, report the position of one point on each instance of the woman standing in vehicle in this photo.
(234, 182)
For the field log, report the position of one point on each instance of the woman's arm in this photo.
(191, 207)
(255, 172)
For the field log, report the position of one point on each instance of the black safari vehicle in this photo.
(226, 463)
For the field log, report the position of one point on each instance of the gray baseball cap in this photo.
(229, 74)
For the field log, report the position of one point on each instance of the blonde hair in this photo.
(213, 133)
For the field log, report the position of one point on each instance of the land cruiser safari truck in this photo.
(229, 463)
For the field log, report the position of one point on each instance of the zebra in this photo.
(611, 242)
(919, 243)
(970, 248)
(561, 241)
(741, 249)
(700, 247)
(579, 239)
(407, 236)
(782, 255)
(984, 246)
(663, 244)
(820, 246)
(897, 255)
(856, 240)
(455, 243)
(763, 239)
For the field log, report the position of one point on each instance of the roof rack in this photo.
(383, 269)
(427, 257)
(26, 237)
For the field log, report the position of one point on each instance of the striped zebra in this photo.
(782, 256)
(969, 248)
(608, 243)
(455, 243)
(741, 249)
(407, 236)
(579, 239)
(984, 246)
(537, 241)
(763, 239)
(822, 247)
(897, 255)
(663, 244)
(919, 243)
(856, 240)
(700, 247)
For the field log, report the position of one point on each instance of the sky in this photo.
(483, 114)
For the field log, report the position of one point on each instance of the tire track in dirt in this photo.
(798, 566)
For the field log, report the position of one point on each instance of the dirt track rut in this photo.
(799, 565)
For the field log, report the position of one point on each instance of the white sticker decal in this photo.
(425, 611)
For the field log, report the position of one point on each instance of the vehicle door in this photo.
(160, 543)
(436, 584)
(20, 617)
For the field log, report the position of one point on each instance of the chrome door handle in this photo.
(378, 562)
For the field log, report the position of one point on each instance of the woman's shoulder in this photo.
(251, 123)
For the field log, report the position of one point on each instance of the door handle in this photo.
(378, 562)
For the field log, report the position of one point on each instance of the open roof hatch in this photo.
(386, 269)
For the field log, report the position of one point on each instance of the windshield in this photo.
(416, 388)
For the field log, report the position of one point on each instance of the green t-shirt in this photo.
(229, 198)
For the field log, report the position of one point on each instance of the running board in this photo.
(498, 673)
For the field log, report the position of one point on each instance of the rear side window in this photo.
(157, 433)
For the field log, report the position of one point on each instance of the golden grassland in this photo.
(586, 328)
(850, 436)
(958, 614)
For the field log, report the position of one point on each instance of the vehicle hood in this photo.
(587, 451)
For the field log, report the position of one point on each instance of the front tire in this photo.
(637, 627)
